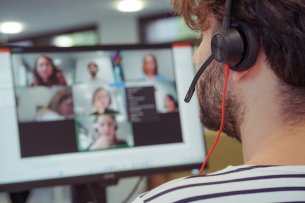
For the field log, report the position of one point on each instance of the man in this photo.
(95, 78)
(93, 69)
(264, 106)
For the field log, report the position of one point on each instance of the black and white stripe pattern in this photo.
(235, 184)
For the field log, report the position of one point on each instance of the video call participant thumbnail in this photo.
(170, 103)
(150, 69)
(59, 107)
(45, 72)
(106, 133)
(101, 101)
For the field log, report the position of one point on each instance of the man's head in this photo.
(93, 69)
(281, 29)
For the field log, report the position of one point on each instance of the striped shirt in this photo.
(234, 184)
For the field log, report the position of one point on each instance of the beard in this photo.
(93, 74)
(210, 89)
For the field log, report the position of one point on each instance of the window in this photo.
(80, 36)
(165, 28)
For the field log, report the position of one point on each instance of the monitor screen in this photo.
(84, 113)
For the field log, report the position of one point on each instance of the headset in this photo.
(236, 45)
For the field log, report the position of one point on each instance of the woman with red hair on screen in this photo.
(45, 73)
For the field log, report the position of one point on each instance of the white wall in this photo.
(119, 30)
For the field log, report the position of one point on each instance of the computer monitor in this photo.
(82, 114)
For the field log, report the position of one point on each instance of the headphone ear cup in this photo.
(238, 46)
(228, 46)
(251, 45)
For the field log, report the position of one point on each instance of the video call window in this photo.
(104, 99)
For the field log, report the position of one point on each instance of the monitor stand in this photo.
(94, 192)
(19, 197)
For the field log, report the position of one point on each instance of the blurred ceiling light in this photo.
(63, 41)
(130, 5)
(11, 27)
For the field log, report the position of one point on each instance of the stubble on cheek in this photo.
(210, 90)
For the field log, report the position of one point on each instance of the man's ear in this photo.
(259, 63)
(237, 76)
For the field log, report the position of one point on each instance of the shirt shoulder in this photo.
(233, 184)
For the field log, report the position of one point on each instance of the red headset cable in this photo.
(227, 73)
